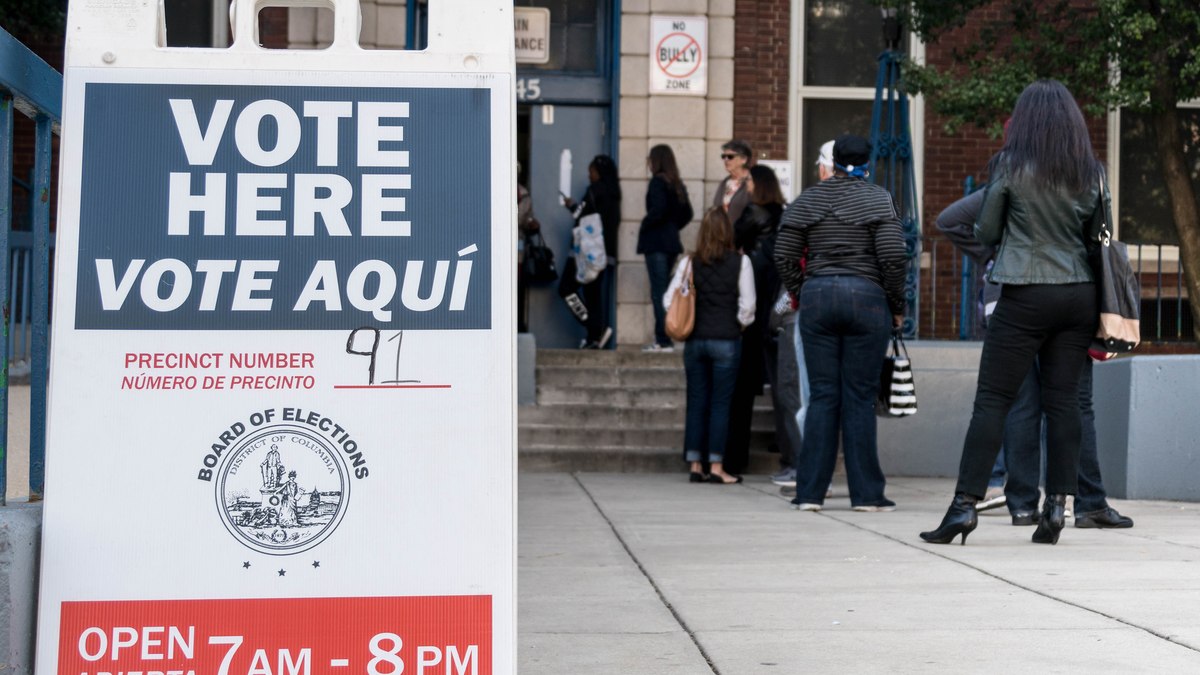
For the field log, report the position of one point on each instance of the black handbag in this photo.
(897, 391)
(1118, 292)
(539, 260)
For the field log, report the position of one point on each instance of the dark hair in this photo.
(662, 163)
(716, 236)
(740, 147)
(1047, 140)
(766, 186)
(606, 169)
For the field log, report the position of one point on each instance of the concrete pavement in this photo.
(646, 573)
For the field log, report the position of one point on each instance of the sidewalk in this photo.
(646, 573)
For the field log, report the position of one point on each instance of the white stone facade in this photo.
(694, 127)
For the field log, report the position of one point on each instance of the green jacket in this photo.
(1044, 235)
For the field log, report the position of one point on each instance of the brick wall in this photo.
(762, 50)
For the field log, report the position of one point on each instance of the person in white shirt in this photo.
(723, 282)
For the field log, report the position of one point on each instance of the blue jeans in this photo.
(658, 268)
(712, 368)
(844, 324)
(1091, 495)
(1023, 446)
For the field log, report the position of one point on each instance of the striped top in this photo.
(847, 226)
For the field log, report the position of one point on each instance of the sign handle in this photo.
(243, 18)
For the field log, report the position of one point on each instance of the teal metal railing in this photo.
(29, 86)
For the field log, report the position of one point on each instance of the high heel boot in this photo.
(1050, 524)
(960, 519)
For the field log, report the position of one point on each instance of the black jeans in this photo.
(658, 268)
(1023, 448)
(1053, 323)
(593, 295)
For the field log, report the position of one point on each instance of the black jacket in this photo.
(1043, 235)
(600, 198)
(666, 214)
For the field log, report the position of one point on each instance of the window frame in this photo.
(798, 93)
(1169, 253)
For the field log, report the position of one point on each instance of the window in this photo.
(838, 66)
(574, 25)
(1144, 206)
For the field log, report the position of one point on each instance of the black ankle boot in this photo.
(960, 519)
(1054, 516)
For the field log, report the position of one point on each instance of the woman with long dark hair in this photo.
(603, 196)
(1044, 207)
(668, 210)
(723, 282)
(754, 235)
(851, 294)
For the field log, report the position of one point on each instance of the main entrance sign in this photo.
(283, 353)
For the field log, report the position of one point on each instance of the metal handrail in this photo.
(29, 85)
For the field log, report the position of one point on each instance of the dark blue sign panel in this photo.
(281, 208)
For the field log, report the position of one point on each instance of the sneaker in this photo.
(664, 349)
(785, 478)
(604, 338)
(992, 499)
(577, 307)
(806, 506)
(1067, 512)
(883, 506)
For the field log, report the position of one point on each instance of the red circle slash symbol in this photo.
(684, 59)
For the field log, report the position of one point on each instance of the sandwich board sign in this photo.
(281, 426)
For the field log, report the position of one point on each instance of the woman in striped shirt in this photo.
(841, 252)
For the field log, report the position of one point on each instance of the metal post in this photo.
(6, 165)
(41, 308)
(410, 24)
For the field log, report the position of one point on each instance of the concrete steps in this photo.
(620, 410)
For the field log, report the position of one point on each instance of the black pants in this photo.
(1055, 323)
(594, 296)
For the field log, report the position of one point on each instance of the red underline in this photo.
(391, 386)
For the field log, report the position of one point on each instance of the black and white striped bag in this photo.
(897, 392)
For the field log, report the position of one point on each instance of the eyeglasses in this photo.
(728, 156)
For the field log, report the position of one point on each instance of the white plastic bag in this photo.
(588, 247)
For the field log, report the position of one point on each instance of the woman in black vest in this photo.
(723, 282)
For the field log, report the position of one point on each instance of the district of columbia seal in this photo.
(282, 490)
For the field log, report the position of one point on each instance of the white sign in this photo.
(281, 416)
(783, 169)
(679, 55)
(531, 34)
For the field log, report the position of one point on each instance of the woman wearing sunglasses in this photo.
(732, 195)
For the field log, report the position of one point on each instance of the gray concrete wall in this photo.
(20, 538)
(930, 442)
(1148, 426)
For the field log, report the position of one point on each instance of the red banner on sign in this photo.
(294, 636)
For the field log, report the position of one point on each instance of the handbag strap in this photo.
(1105, 229)
(898, 346)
